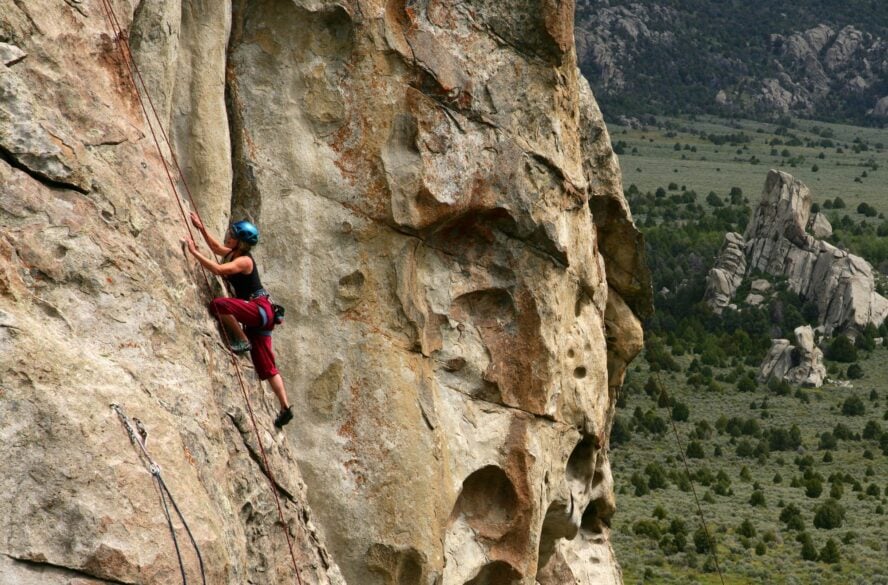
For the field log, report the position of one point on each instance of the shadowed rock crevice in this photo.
(15, 163)
(32, 571)
(488, 503)
(397, 565)
(496, 573)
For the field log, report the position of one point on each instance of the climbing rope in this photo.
(712, 544)
(134, 73)
(138, 438)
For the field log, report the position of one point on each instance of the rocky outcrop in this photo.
(800, 364)
(777, 243)
(442, 215)
(727, 275)
(631, 50)
(839, 283)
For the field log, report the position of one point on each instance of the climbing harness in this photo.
(712, 544)
(134, 73)
(139, 437)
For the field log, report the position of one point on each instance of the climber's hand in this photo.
(189, 244)
(196, 222)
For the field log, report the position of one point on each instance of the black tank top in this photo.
(245, 285)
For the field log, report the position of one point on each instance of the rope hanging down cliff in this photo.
(712, 545)
(139, 438)
(133, 71)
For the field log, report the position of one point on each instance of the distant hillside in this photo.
(822, 59)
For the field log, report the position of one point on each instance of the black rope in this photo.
(166, 512)
(165, 493)
(684, 460)
(187, 529)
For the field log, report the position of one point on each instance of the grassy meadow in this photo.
(768, 462)
(649, 158)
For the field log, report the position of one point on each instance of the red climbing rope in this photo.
(134, 73)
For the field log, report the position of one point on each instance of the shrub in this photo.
(745, 449)
(809, 552)
(853, 406)
(652, 388)
(746, 529)
(828, 515)
(829, 553)
(746, 384)
(621, 433)
(648, 528)
(657, 478)
(855, 372)
(757, 499)
(843, 432)
(701, 541)
(872, 431)
(827, 441)
(813, 487)
(640, 484)
(867, 210)
(680, 412)
(695, 450)
(842, 350)
(836, 490)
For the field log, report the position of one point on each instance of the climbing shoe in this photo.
(285, 416)
(240, 346)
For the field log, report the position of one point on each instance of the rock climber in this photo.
(251, 305)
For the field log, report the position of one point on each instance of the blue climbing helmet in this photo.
(246, 232)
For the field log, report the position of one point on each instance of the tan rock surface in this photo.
(779, 241)
(443, 218)
(726, 276)
(841, 284)
(801, 363)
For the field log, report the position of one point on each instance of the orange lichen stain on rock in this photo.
(109, 59)
(514, 546)
(509, 325)
(188, 456)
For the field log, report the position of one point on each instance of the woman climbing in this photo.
(251, 305)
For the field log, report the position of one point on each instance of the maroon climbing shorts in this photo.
(259, 333)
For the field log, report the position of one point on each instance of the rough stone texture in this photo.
(776, 242)
(800, 364)
(841, 284)
(443, 217)
(726, 276)
(10, 54)
(819, 226)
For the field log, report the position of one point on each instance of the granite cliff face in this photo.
(781, 240)
(443, 218)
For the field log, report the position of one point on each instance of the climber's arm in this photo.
(240, 265)
(214, 244)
